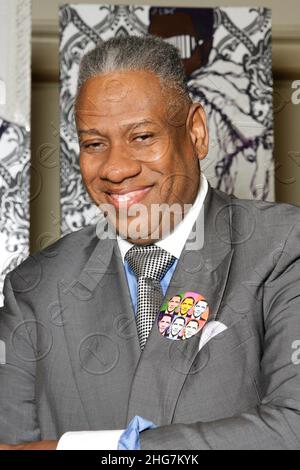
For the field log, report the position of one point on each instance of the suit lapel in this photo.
(101, 335)
(165, 364)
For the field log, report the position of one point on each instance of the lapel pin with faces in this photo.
(183, 315)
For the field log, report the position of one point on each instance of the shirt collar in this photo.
(175, 241)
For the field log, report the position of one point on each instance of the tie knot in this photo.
(149, 261)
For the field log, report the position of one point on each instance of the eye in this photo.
(92, 146)
(143, 137)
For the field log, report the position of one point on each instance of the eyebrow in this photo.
(89, 131)
(126, 126)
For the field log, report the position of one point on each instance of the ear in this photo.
(198, 130)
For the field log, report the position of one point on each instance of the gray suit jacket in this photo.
(73, 359)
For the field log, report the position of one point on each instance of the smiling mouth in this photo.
(126, 199)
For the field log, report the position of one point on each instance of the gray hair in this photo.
(149, 53)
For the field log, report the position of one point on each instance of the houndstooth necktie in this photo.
(149, 263)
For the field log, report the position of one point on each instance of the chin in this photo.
(141, 241)
(143, 236)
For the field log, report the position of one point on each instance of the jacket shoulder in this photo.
(69, 252)
(265, 211)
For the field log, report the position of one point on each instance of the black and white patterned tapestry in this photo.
(226, 53)
(15, 73)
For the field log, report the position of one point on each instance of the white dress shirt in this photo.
(173, 243)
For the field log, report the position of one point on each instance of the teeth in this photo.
(124, 197)
(121, 197)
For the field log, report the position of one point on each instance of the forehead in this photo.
(121, 93)
(179, 320)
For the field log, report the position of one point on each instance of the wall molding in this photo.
(45, 55)
(45, 51)
(286, 52)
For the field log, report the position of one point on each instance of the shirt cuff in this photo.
(90, 440)
(130, 438)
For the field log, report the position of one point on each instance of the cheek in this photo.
(89, 168)
(84, 166)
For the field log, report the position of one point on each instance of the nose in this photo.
(119, 165)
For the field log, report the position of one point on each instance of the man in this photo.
(176, 327)
(200, 308)
(186, 305)
(83, 350)
(191, 328)
(164, 322)
(173, 303)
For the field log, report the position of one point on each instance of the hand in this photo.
(36, 445)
